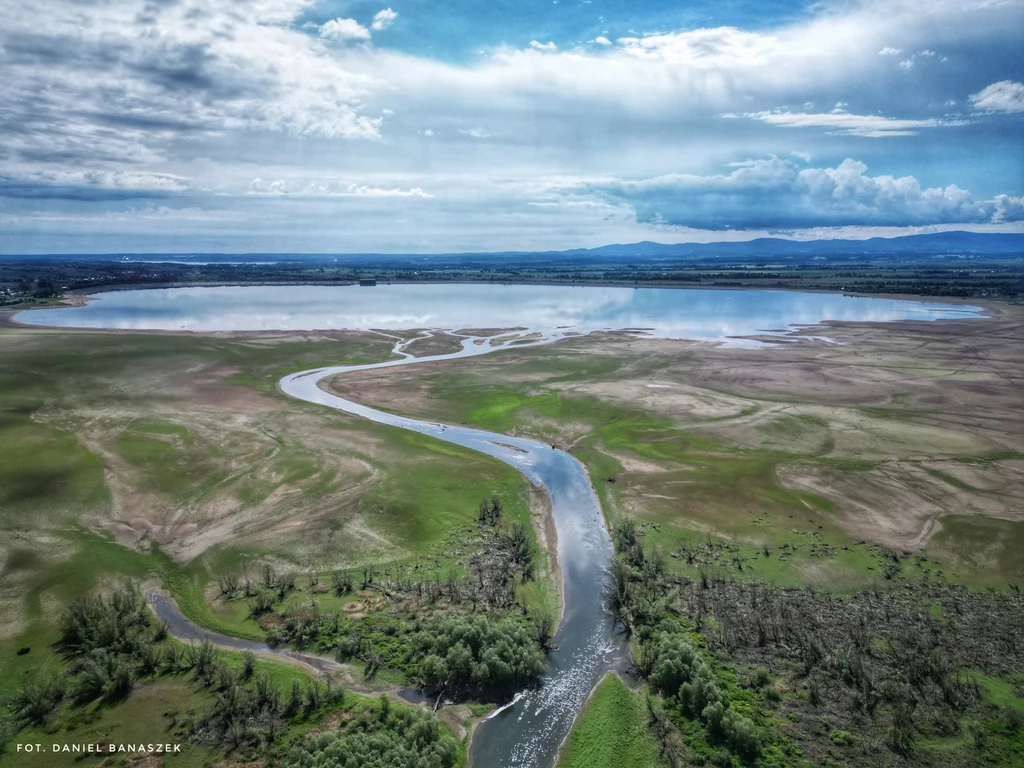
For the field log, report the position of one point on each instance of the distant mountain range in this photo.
(940, 243)
(936, 244)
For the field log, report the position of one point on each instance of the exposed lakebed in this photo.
(529, 730)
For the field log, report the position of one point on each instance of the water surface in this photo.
(664, 312)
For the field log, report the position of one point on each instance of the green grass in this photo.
(709, 485)
(146, 716)
(611, 731)
(50, 482)
(985, 550)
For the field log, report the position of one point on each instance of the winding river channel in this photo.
(526, 732)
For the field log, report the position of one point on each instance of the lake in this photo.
(663, 312)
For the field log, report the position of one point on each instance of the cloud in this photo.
(888, 51)
(282, 188)
(345, 29)
(140, 78)
(1008, 209)
(476, 133)
(602, 40)
(1004, 96)
(384, 19)
(776, 194)
(840, 122)
(222, 92)
(706, 48)
(548, 47)
(91, 185)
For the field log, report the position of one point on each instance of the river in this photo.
(527, 731)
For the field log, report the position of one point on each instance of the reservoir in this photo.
(701, 314)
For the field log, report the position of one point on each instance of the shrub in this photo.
(410, 739)
(38, 697)
(248, 663)
(760, 678)
(103, 674)
(842, 738)
(112, 624)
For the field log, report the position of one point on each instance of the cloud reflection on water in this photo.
(701, 314)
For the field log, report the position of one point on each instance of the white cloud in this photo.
(777, 194)
(384, 19)
(1004, 96)
(282, 188)
(194, 87)
(118, 88)
(887, 51)
(907, 64)
(475, 133)
(869, 126)
(344, 29)
(706, 48)
(549, 47)
(602, 40)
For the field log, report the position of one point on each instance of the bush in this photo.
(103, 674)
(39, 696)
(760, 678)
(113, 624)
(405, 739)
(477, 653)
(842, 738)
(248, 663)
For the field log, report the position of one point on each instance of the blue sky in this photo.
(293, 125)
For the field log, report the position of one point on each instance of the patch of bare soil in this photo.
(231, 464)
(920, 397)
(547, 536)
(897, 503)
(455, 718)
(390, 389)
(434, 343)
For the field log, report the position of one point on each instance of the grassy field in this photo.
(878, 472)
(798, 465)
(611, 731)
(893, 458)
(140, 456)
(154, 713)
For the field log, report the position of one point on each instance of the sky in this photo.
(407, 126)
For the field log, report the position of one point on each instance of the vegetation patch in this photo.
(612, 731)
